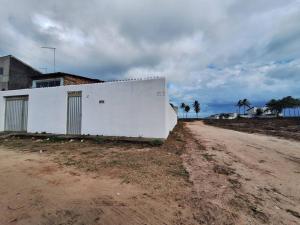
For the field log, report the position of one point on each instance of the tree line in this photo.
(289, 103)
(186, 108)
(276, 106)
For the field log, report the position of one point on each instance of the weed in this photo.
(225, 170)
(179, 171)
(208, 157)
(113, 162)
(56, 139)
(156, 142)
(125, 180)
(99, 140)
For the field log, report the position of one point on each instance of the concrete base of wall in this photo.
(94, 138)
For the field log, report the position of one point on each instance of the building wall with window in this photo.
(42, 83)
(61, 79)
(135, 108)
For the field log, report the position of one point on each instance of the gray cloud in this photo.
(216, 51)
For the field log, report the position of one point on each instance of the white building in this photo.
(132, 108)
(227, 116)
(215, 116)
(261, 112)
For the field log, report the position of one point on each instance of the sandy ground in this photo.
(35, 190)
(107, 183)
(259, 176)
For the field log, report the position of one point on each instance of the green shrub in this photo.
(156, 142)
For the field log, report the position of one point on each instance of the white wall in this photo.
(172, 118)
(171, 115)
(137, 108)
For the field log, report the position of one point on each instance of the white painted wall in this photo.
(171, 115)
(137, 108)
(172, 118)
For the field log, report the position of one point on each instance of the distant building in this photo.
(261, 112)
(15, 74)
(226, 116)
(61, 79)
(215, 116)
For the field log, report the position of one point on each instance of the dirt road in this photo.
(288, 128)
(258, 176)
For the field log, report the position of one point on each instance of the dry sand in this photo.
(259, 176)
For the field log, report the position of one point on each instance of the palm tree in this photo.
(288, 103)
(281, 105)
(271, 105)
(245, 103)
(276, 106)
(187, 109)
(196, 106)
(182, 106)
(239, 105)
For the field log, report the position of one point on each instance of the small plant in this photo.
(99, 140)
(55, 139)
(179, 171)
(156, 142)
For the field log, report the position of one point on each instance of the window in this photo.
(1, 70)
(46, 83)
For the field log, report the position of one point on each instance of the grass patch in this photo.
(55, 139)
(156, 142)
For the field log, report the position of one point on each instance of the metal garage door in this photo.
(16, 111)
(74, 113)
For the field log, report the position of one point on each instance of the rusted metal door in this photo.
(74, 113)
(16, 113)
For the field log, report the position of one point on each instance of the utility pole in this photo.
(51, 48)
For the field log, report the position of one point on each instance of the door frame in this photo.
(74, 94)
(17, 97)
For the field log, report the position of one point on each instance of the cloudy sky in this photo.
(215, 51)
